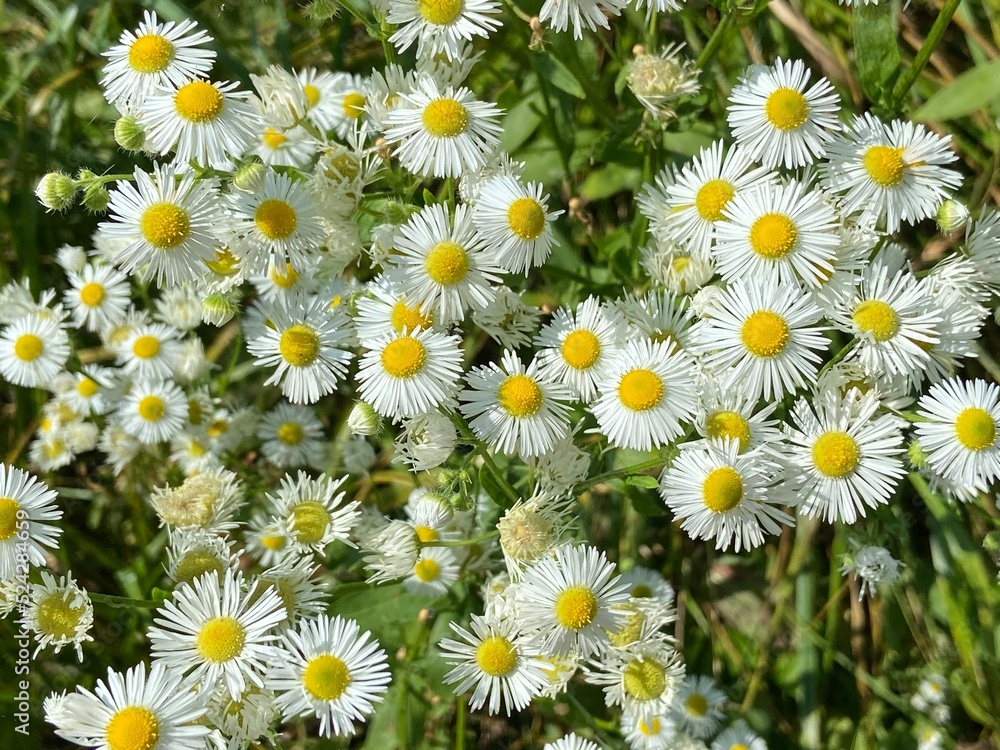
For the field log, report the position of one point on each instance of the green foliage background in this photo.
(802, 660)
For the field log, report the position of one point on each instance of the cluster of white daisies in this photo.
(776, 363)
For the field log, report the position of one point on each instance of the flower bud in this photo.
(130, 134)
(56, 191)
(96, 198)
(952, 215)
(249, 177)
(218, 309)
(364, 420)
(916, 456)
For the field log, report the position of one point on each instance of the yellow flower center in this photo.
(146, 347)
(427, 570)
(197, 563)
(447, 263)
(28, 347)
(275, 219)
(520, 396)
(631, 631)
(273, 139)
(285, 280)
(354, 105)
(765, 334)
(221, 639)
(644, 679)
(326, 677)
(150, 53)
(404, 357)
(680, 263)
(410, 318)
(132, 728)
(576, 607)
(835, 454)
(722, 489)
(773, 236)
(165, 225)
(712, 198)
(975, 429)
(198, 101)
(224, 264)
(426, 533)
(440, 12)
(445, 118)
(581, 349)
(290, 433)
(87, 387)
(310, 521)
(152, 408)
(877, 318)
(641, 591)
(884, 165)
(299, 345)
(526, 218)
(56, 617)
(496, 656)
(274, 542)
(92, 294)
(786, 109)
(640, 390)
(696, 705)
(312, 94)
(728, 425)
(652, 729)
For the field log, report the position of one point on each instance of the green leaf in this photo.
(972, 90)
(606, 181)
(559, 75)
(492, 488)
(876, 48)
(645, 502)
(643, 480)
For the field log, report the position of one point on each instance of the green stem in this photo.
(616, 473)
(460, 723)
(122, 601)
(924, 53)
(463, 542)
(838, 356)
(715, 41)
(466, 432)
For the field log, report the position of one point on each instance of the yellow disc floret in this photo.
(409, 318)
(354, 105)
(447, 263)
(326, 677)
(728, 425)
(310, 520)
(496, 656)
(526, 218)
(404, 357)
(975, 428)
(722, 489)
(28, 347)
(773, 236)
(835, 454)
(765, 334)
(884, 165)
(581, 349)
(152, 408)
(440, 12)
(92, 294)
(640, 390)
(877, 318)
(275, 219)
(165, 225)
(520, 396)
(644, 679)
(712, 198)
(132, 728)
(445, 118)
(786, 108)
(150, 53)
(576, 607)
(290, 433)
(221, 639)
(198, 101)
(427, 570)
(146, 347)
(299, 345)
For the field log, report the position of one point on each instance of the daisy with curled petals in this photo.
(718, 493)
(25, 503)
(960, 431)
(154, 711)
(384, 310)
(167, 225)
(496, 660)
(514, 221)
(217, 632)
(571, 601)
(201, 121)
(440, 26)
(729, 414)
(292, 435)
(700, 194)
(403, 375)
(589, 14)
(649, 391)
(442, 267)
(762, 338)
(98, 296)
(783, 232)
(641, 678)
(154, 56)
(649, 733)
(303, 343)
(59, 614)
(778, 120)
(328, 668)
(33, 350)
(889, 174)
(442, 132)
(312, 513)
(279, 223)
(698, 706)
(515, 409)
(841, 456)
(578, 347)
(153, 411)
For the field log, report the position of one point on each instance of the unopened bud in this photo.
(916, 456)
(249, 177)
(96, 198)
(218, 309)
(56, 191)
(322, 10)
(952, 215)
(130, 134)
(364, 420)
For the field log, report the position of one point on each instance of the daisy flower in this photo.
(642, 678)
(589, 14)
(778, 120)
(698, 706)
(297, 582)
(153, 411)
(98, 296)
(718, 493)
(92, 391)
(659, 315)
(442, 268)
(781, 232)
(442, 132)
(730, 414)
(440, 26)
(508, 319)
(303, 345)
(384, 310)
(960, 430)
(648, 392)
(738, 737)
(195, 552)
(154, 56)
(874, 566)
(201, 121)
(313, 512)
(320, 90)
(425, 441)
(761, 337)
(167, 225)
(293, 147)
(495, 659)
(292, 436)
(891, 173)
(403, 375)
(841, 457)
(649, 733)
(329, 669)
(434, 571)
(578, 348)
(513, 409)
(33, 350)
(660, 78)
(571, 742)
(514, 221)
(208, 500)
(278, 224)
(150, 352)
(59, 614)
(570, 601)
(217, 632)
(155, 712)
(25, 504)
